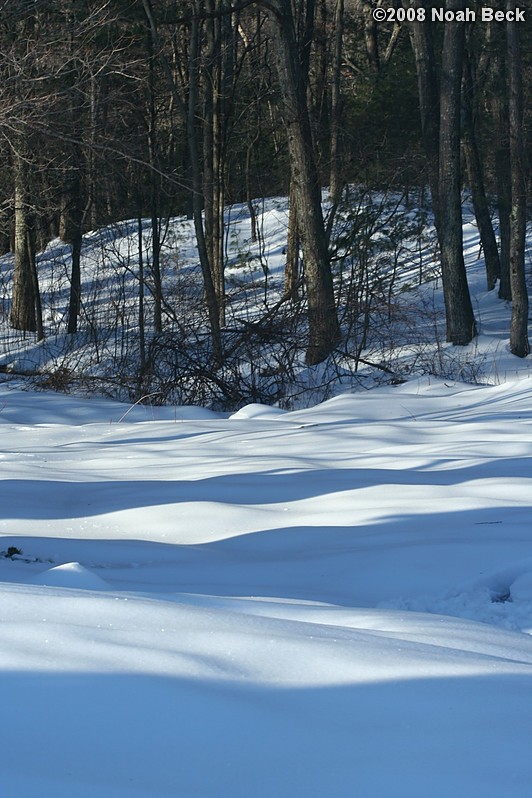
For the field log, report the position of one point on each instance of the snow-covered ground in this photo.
(330, 602)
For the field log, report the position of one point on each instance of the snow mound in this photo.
(71, 575)
(501, 598)
(256, 410)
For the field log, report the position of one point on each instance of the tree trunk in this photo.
(74, 305)
(336, 182)
(217, 74)
(71, 232)
(155, 187)
(324, 332)
(429, 102)
(190, 111)
(6, 224)
(502, 169)
(519, 343)
(461, 326)
(92, 209)
(291, 272)
(23, 305)
(142, 326)
(197, 193)
(476, 182)
(370, 36)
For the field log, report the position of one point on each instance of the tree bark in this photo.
(519, 343)
(71, 232)
(191, 111)
(155, 184)
(460, 320)
(324, 331)
(23, 305)
(291, 272)
(72, 213)
(370, 36)
(336, 181)
(476, 182)
(502, 167)
(197, 193)
(217, 68)
(74, 304)
(429, 103)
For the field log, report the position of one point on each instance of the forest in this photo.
(377, 124)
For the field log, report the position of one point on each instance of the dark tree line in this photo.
(114, 109)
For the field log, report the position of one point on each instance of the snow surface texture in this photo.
(326, 603)
(329, 602)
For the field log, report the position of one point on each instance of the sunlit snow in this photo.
(334, 602)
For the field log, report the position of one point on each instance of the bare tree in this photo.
(440, 124)
(20, 70)
(519, 343)
(324, 331)
(461, 326)
(211, 296)
(191, 110)
(473, 157)
(26, 311)
(336, 179)
(429, 102)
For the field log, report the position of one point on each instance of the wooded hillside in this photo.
(145, 110)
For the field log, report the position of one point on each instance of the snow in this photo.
(330, 601)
